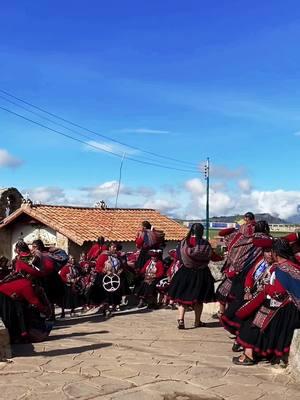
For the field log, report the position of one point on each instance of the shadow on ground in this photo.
(27, 350)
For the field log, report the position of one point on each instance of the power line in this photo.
(54, 122)
(96, 133)
(95, 147)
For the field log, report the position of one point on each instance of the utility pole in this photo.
(206, 175)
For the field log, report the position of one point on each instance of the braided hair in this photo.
(283, 249)
(196, 229)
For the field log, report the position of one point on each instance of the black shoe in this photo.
(237, 347)
(180, 324)
(243, 360)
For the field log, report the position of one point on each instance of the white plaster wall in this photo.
(29, 233)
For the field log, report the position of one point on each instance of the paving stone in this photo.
(13, 392)
(144, 357)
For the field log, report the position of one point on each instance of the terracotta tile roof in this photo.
(86, 224)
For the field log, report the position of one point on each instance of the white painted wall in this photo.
(29, 233)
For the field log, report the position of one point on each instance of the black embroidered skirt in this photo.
(190, 286)
(276, 338)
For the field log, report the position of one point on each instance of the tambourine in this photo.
(111, 283)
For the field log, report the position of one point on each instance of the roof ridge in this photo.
(93, 208)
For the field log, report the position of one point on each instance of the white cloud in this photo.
(297, 133)
(195, 186)
(245, 185)
(47, 195)
(279, 202)
(166, 206)
(108, 147)
(7, 160)
(188, 203)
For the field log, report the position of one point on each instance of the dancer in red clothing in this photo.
(270, 317)
(96, 249)
(152, 272)
(148, 238)
(21, 303)
(193, 284)
(71, 276)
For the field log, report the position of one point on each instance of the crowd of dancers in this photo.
(259, 295)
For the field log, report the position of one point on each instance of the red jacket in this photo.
(22, 289)
(95, 251)
(101, 261)
(22, 266)
(159, 266)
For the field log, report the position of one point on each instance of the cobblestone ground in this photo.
(138, 356)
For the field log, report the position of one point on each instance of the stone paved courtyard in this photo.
(139, 356)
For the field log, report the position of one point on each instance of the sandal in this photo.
(180, 324)
(245, 361)
(237, 347)
(199, 324)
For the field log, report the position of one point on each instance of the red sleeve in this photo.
(275, 289)
(249, 281)
(160, 271)
(94, 251)
(23, 266)
(139, 241)
(100, 262)
(291, 237)
(143, 270)
(226, 231)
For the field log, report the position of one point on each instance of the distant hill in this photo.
(265, 216)
(294, 219)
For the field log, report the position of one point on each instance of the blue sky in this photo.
(185, 80)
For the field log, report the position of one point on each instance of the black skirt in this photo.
(190, 286)
(72, 299)
(276, 338)
(146, 290)
(142, 258)
(235, 301)
(54, 288)
(13, 316)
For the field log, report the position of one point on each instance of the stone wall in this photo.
(10, 200)
(5, 350)
(5, 243)
(294, 359)
(62, 242)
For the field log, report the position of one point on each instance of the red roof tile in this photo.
(87, 224)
